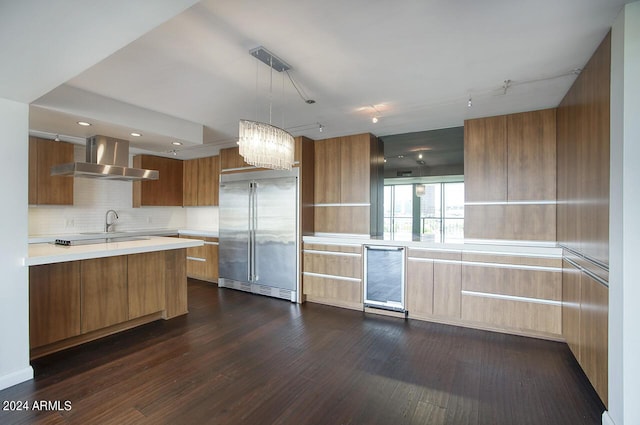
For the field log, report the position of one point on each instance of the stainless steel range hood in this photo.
(107, 158)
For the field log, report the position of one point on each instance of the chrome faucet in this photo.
(108, 227)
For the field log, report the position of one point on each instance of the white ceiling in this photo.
(413, 63)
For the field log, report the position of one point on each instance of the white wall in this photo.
(624, 225)
(14, 285)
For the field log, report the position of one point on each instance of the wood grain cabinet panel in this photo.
(145, 283)
(54, 302)
(539, 284)
(420, 288)
(327, 170)
(571, 293)
(447, 282)
(201, 181)
(175, 281)
(45, 189)
(230, 159)
(164, 192)
(190, 183)
(485, 159)
(594, 333)
(332, 274)
(355, 169)
(202, 261)
(513, 315)
(531, 156)
(104, 292)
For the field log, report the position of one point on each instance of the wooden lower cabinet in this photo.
(419, 280)
(78, 301)
(175, 283)
(104, 292)
(202, 261)
(54, 293)
(146, 296)
(447, 282)
(585, 322)
(516, 297)
(332, 274)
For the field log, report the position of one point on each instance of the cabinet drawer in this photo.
(333, 263)
(333, 291)
(202, 261)
(515, 315)
(539, 284)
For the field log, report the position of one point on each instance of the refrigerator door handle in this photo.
(250, 236)
(254, 227)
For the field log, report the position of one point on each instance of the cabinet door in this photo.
(54, 302)
(208, 176)
(104, 292)
(447, 287)
(164, 192)
(145, 283)
(594, 333)
(571, 307)
(50, 190)
(532, 156)
(230, 159)
(175, 283)
(485, 159)
(327, 171)
(190, 183)
(355, 169)
(419, 287)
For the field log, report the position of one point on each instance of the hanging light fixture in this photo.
(261, 144)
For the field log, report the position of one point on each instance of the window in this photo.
(438, 215)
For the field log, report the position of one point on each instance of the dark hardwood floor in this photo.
(238, 358)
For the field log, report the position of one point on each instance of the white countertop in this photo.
(199, 232)
(533, 248)
(33, 239)
(48, 253)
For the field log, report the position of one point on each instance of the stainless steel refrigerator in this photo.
(258, 233)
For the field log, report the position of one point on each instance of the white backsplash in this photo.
(93, 197)
(202, 218)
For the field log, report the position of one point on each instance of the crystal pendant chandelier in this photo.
(265, 145)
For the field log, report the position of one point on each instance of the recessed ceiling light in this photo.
(136, 134)
(84, 123)
(374, 120)
(176, 143)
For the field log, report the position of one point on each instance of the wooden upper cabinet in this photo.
(208, 180)
(190, 183)
(532, 156)
(327, 171)
(45, 189)
(167, 190)
(201, 181)
(485, 159)
(355, 168)
(231, 159)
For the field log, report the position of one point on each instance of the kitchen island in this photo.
(83, 292)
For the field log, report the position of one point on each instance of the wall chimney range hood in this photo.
(107, 158)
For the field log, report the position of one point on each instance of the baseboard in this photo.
(17, 377)
(606, 419)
